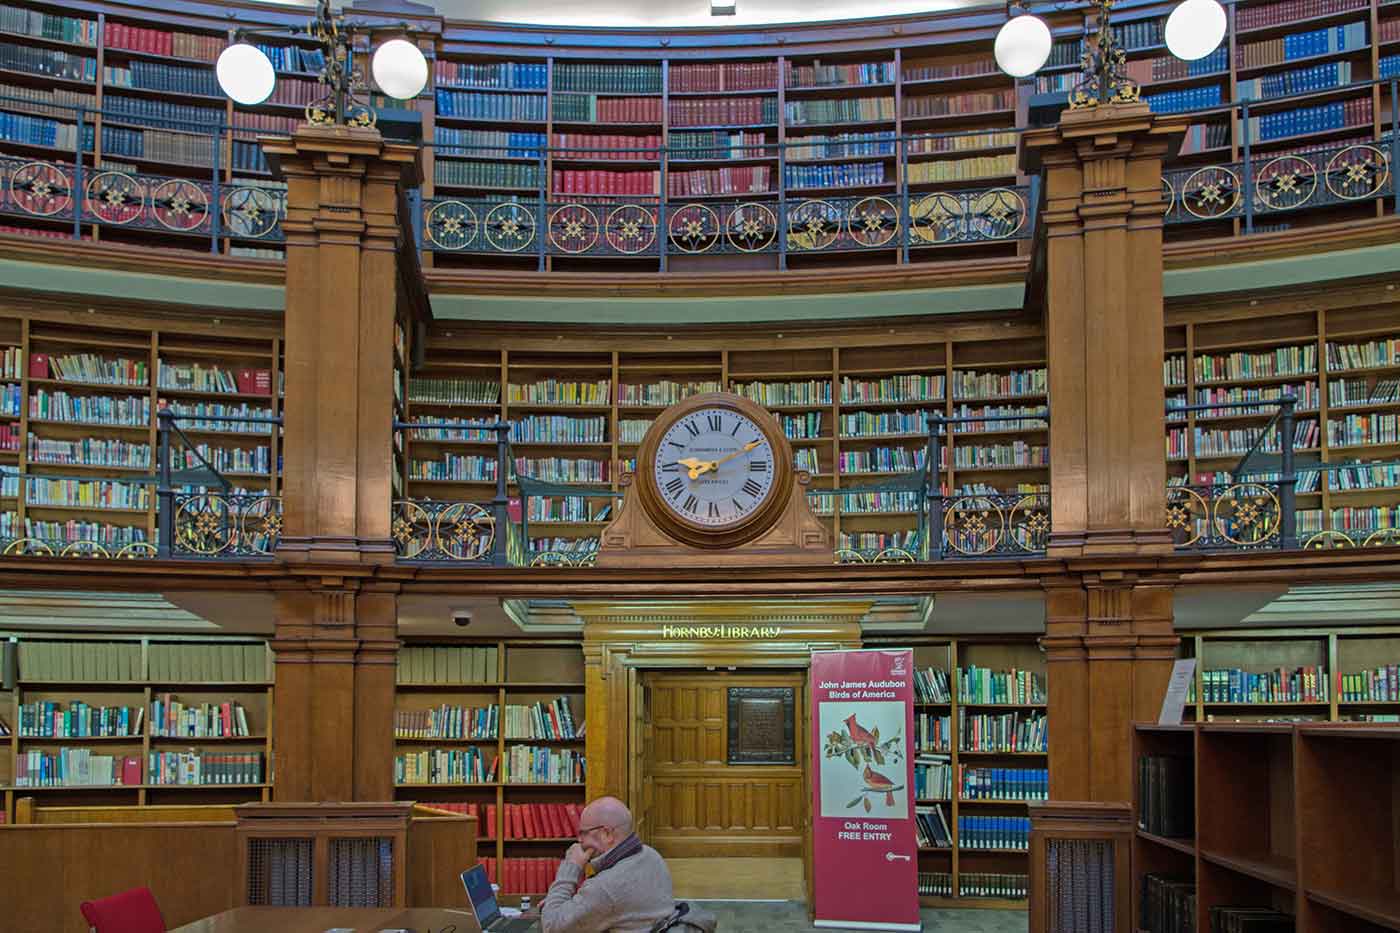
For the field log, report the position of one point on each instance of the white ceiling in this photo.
(672, 13)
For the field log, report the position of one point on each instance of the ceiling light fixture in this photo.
(723, 7)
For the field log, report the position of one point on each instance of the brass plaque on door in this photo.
(762, 726)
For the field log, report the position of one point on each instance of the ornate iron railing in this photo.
(1240, 516)
(222, 524)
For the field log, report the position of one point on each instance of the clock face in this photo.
(714, 468)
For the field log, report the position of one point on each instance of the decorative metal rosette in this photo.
(465, 531)
(1357, 172)
(873, 221)
(510, 228)
(1029, 523)
(137, 550)
(84, 549)
(28, 547)
(974, 525)
(552, 559)
(894, 555)
(1328, 540)
(250, 213)
(1188, 515)
(41, 188)
(411, 529)
(1211, 192)
(1246, 514)
(260, 525)
(1168, 195)
(848, 555)
(1286, 182)
(116, 197)
(751, 227)
(451, 225)
(937, 218)
(814, 224)
(694, 228)
(996, 214)
(631, 229)
(180, 204)
(1385, 537)
(573, 228)
(204, 524)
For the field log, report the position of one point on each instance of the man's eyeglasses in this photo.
(592, 829)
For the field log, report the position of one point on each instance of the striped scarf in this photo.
(624, 849)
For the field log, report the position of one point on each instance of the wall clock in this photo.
(714, 475)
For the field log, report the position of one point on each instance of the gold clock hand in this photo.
(714, 464)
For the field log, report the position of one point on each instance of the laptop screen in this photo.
(482, 897)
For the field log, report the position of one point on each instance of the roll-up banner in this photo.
(864, 854)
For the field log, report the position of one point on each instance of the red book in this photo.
(490, 821)
(131, 770)
(38, 366)
(542, 876)
(532, 821)
(558, 821)
(226, 718)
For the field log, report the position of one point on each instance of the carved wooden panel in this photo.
(702, 806)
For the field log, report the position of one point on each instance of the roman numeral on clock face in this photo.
(675, 487)
(751, 487)
(689, 504)
(758, 466)
(716, 421)
(714, 510)
(689, 426)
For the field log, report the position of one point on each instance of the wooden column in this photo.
(1103, 316)
(1109, 641)
(336, 641)
(343, 235)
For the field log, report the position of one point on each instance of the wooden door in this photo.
(698, 805)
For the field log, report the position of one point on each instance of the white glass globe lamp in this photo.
(245, 74)
(399, 69)
(1195, 29)
(1022, 46)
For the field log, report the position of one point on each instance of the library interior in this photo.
(935, 466)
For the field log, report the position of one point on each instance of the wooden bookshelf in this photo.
(72, 424)
(963, 874)
(1341, 658)
(1349, 402)
(1277, 810)
(511, 673)
(839, 406)
(135, 672)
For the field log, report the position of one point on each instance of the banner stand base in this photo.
(860, 925)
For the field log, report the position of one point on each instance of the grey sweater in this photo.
(627, 898)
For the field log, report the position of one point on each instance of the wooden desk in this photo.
(321, 919)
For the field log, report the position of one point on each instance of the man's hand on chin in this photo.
(578, 855)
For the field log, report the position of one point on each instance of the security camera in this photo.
(462, 617)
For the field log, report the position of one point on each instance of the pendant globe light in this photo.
(245, 74)
(399, 69)
(1022, 46)
(1195, 28)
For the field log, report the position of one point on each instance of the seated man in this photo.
(631, 887)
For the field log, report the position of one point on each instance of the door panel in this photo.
(700, 806)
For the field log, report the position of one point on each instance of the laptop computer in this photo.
(488, 913)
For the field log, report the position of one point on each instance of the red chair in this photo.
(133, 911)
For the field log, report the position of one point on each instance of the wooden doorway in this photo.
(694, 803)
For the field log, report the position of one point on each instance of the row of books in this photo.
(994, 832)
(1281, 361)
(1374, 353)
(866, 503)
(1232, 685)
(559, 429)
(88, 409)
(838, 146)
(203, 768)
(919, 173)
(563, 469)
(632, 432)
(832, 176)
(1297, 81)
(848, 110)
(959, 104)
(1003, 783)
(195, 416)
(1287, 11)
(1140, 34)
(91, 451)
(1321, 118)
(725, 111)
(1202, 136)
(1001, 732)
(158, 76)
(1305, 392)
(447, 664)
(534, 821)
(931, 828)
(1375, 476)
(75, 767)
(728, 76)
(161, 113)
(528, 765)
(877, 540)
(495, 75)
(51, 719)
(1223, 442)
(935, 884)
(1357, 430)
(935, 72)
(718, 144)
(1380, 684)
(448, 722)
(551, 720)
(1191, 98)
(1168, 904)
(525, 875)
(511, 107)
(607, 79)
(470, 468)
(932, 685)
(283, 57)
(560, 392)
(591, 108)
(9, 437)
(91, 368)
(811, 392)
(844, 75)
(1343, 393)
(993, 884)
(745, 179)
(982, 685)
(880, 460)
(513, 175)
(1365, 519)
(661, 393)
(49, 62)
(932, 733)
(610, 146)
(607, 183)
(94, 494)
(470, 435)
(573, 546)
(489, 144)
(41, 25)
(972, 385)
(243, 156)
(872, 424)
(930, 145)
(933, 777)
(1166, 796)
(453, 391)
(1298, 45)
(800, 425)
(172, 718)
(1034, 420)
(254, 460)
(446, 766)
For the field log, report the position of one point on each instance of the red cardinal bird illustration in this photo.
(858, 733)
(877, 781)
